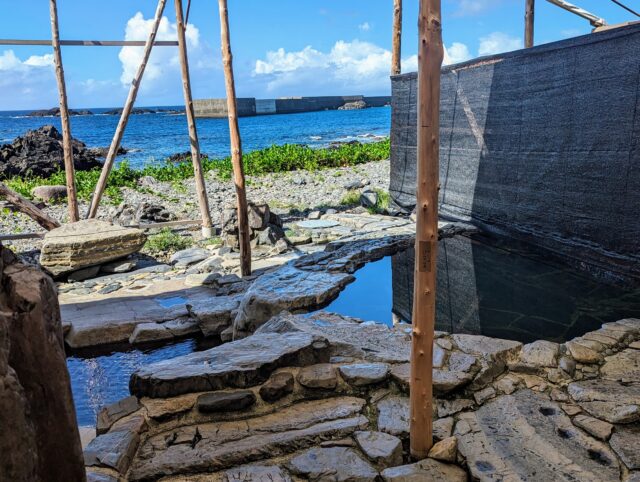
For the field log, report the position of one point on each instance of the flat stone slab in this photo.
(225, 401)
(362, 374)
(626, 443)
(317, 224)
(608, 400)
(526, 436)
(393, 415)
(222, 445)
(238, 364)
(426, 470)
(444, 381)
(379, 447)
(338, 464)
(322, 376)
(623, 366)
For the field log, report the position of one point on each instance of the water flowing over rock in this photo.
(39, 438)
(39, 153)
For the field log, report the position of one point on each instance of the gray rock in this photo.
(444, 381)
(226, 401)
(599, 429)
(214, 314)
(190, 256)
(423, 471)
(381, 448)
(114, 449)
(624, 366)
(110, 288)
(608, 399)
(582, 354)
(256, 473)
(121, 266)
(339, 464)
(279, 385)
(201, 279)
(49, 193)
(626, 443)
(362, 374)
(93, 476)
(84, 273)
(313, 215)
(323, 375)
(540, 353)
(238, 364)
(542, 443)
(393, 415)
(317, 224)
(89, 242)
(492, 348)
(445, 450)
(442, 428)
(114, 412)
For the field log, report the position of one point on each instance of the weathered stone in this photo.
(256, 473)
(461, 362)
(89, 242)
(540, 353)
(635, 345)
(507, 384)
(149, 332)
(444, 381)
(317, 224)
(84, 273)
(492, 348)
(525, 436)
(381, 448)
(39, 437)
(393, 415)
(445, 450)
(279, 385)
(93, 476)
(439, 356)
(120, 266)
(114, 412)
(114, 449)
(222, 445)
(190, 256)
(599, 429)
(623, 366)
(442, 428)
(426, 470)
(215, 313)
(483, 395)
(339, 464)
(451, 407)
(608, 399)
(583, 354)
(626, 443)
(49, 193)
(570, 409)
(568, 365)
(201, 279)
(322, 375)
(362, 374)
(238, 364)
(226, 401)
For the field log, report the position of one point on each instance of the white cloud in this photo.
(498, 42)
(456, 53)
(364, 27)
(28, 82)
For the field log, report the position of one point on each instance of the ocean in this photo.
(151, 138)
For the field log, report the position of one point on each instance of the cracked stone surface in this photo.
(361, 374)
(608, 399)
(626, 443)
(425, 470)
(340, 464)
(380, 447)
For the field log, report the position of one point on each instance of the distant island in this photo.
(55, 112)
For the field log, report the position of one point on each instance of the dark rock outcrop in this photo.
(39, 439)
(55, 112)
(39, 153)
(265, 226)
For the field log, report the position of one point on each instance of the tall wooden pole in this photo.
(193, 133)
(126, 112)
(64, 115)
(528, 23)
(236, 144)
(430, 55)
(396, 51)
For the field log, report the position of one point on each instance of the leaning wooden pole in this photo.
(72, 197)
(396, 51)
(27, 207)
(528, 23)
(191, 122)
(430, 55)
(236, 143)
(126, 112)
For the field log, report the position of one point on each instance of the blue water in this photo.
(152, 137)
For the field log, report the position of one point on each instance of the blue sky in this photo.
(280, 47)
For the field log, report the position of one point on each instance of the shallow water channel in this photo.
(484, 287)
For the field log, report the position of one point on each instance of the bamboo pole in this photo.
(528, 23)
(126, 112)
(430, 55)
(236, 143)
(64, 115)
(397, 38)
(193, 133)
(27, 207)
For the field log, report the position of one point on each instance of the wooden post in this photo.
(236, 144)
(191, 122)
(397, 38)
(124, 117)
(430, 55)
(528, 23)
(27, 207)
(64, 115)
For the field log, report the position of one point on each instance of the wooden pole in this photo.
(191, 122)
(396, 51)
(236, 144)
(64, 115)
(27, 207)
(430, 55)
(91, 43)
(126, 112)
(528, 23)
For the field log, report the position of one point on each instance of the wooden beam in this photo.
(17, 237)
(594, 20)
(430, 55)
(27, 207)
(191, 122)
(396, 51)
(64, 116)
(528, 23)
(90, 43)
(124, 116)
(236, 143)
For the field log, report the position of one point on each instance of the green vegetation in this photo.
(382, 202)
(352, 198)
(285, 158)
(166, 241)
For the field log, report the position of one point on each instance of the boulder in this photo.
(379, 447)
(49, 193)
(87, 243)
(145, 212)
(355, 105)
(225, 401)
(279, 385)
(265, 227)
(39, 439)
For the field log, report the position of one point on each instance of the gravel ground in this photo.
(290, 194)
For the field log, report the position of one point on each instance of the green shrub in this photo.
(382, 202)
(166, 241)
(352, 198)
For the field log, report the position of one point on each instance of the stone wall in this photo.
(541, 145)
(218, 107)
